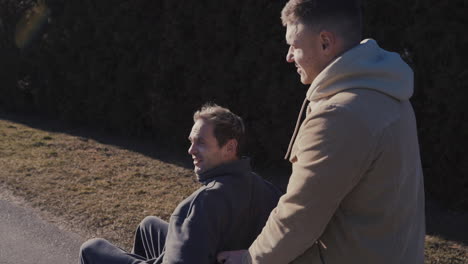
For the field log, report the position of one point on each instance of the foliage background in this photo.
(141, 67)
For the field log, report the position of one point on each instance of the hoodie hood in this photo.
(236, 167)
(365, 66)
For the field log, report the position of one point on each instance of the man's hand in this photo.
(232, 257)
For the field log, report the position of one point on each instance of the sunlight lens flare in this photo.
(31, 24)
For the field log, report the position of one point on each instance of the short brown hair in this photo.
(341, 16)
(227, 125)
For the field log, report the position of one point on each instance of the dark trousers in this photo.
(148, 246)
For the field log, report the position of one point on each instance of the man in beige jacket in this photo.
(356, 192)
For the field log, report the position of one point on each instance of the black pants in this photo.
(148, 246)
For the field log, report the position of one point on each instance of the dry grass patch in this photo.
(442, 251)
(102, 190)
(92, 186)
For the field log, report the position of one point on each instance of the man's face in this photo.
(306, 51)
(204, 148)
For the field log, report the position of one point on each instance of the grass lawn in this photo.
(103, 190)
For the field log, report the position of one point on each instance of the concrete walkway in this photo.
(25, 238)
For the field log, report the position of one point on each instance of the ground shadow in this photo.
(160, 150)
(440, 221)
(446, 223)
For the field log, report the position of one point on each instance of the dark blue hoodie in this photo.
(226, 213)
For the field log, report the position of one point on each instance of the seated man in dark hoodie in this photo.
(226, 213)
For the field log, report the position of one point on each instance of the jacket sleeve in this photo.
(195, 238)
(329, 157)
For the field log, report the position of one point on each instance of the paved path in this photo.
(27, 239)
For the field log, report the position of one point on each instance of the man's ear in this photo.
(328, 41)
(231, 147)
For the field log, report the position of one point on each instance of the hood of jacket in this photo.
(236, 167)
(365, 66)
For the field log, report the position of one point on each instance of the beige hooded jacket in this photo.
(356, 191)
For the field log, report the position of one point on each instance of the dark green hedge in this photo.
(142, 67)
